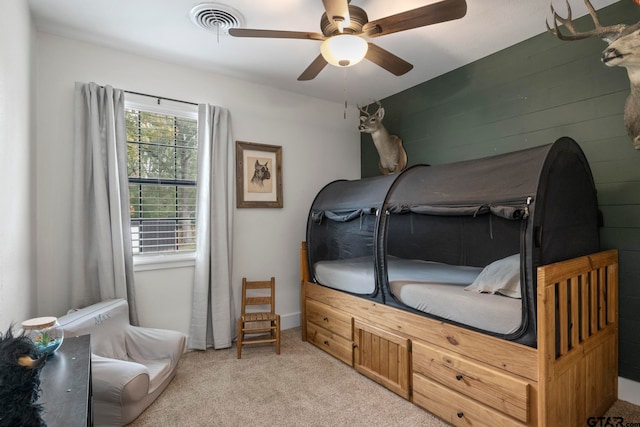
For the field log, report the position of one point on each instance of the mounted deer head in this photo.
(623, 51)
(393, 158)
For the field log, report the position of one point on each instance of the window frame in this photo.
(173, 259)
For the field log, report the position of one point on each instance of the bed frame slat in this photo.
(563, 318)
(593, 292)
(602, 298)
(612, 279)
(584, 307)
(575, 313)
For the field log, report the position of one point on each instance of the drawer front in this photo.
(329, 318)
(455, 408)
(336, 345)
(382, 356)
(484, 384)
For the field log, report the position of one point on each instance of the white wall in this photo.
(318, 147)
(17, 234)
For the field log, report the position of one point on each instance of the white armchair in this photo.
(130, 365)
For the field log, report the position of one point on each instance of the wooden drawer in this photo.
(455, 408)
(329, 318)
(487, 385)
(336, 345)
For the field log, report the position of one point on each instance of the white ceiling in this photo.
(162, 29)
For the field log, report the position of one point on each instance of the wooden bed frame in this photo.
(468, 378)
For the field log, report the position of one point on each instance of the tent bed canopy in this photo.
(459, 242)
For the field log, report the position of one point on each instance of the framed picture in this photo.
(258, 175)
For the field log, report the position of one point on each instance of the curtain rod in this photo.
(160, 97)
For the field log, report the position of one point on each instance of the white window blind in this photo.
(162, 161)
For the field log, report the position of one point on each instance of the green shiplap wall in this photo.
(527, 95)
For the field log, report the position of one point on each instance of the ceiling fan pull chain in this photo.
(345, 93)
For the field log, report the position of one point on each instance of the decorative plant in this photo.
(44, 339)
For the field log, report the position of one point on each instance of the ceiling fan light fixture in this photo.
(344, 50)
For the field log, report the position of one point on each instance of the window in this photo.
(162, 166)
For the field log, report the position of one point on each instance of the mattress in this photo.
(488, 312)
(357, 275)
(430, 287)
(429, 271)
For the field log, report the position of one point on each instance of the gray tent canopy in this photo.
(539, 202)
(342, 224)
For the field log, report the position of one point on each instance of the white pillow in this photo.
(500, 277)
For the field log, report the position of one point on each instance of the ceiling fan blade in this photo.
(337, 12)
(445, 10)
(387, 60)
(314, 69)
(275, 34)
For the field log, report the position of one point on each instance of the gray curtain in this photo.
(101, 258)
(213, 314)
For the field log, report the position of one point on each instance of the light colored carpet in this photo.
(303, 386)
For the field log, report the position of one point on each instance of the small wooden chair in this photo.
(262, 322)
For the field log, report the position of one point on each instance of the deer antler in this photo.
(608, 33)
(366, 109)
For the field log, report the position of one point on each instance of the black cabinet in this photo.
(65, 380)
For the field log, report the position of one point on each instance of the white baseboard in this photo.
(629, 390)
(289, 321)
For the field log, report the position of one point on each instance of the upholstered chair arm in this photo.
(114, 382)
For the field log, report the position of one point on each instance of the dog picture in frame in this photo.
(258, 175)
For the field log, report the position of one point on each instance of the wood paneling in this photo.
(527, 95)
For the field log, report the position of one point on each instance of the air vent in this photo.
(216, 17)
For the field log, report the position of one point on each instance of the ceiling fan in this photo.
(344, 26)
